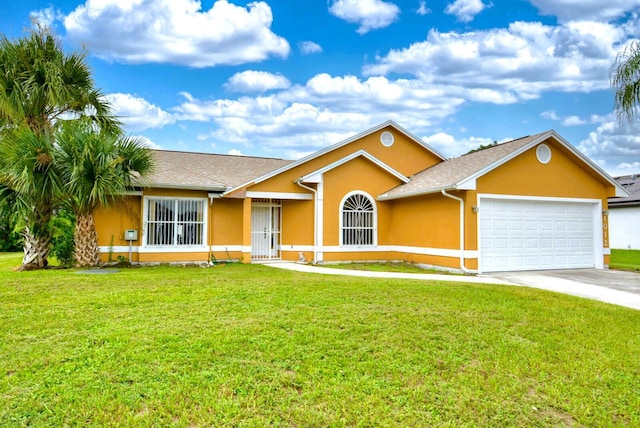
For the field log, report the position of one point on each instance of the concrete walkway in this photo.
(546, 281)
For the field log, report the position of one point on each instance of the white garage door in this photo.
(535, 235)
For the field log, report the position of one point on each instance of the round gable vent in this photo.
(386, 138)
(543, 153)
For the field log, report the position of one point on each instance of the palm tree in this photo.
(96, 169)
(625, 79)
(40, 87)
(29, 190)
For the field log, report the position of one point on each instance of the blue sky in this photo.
(284, 78)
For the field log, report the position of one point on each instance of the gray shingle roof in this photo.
(631, 183)
(450, 173)
(206, 171)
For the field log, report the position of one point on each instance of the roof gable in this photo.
(462, 172)
(314, 177)
(335, 147)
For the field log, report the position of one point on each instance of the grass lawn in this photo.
(625, 260)
(248, 345)
(387, 267)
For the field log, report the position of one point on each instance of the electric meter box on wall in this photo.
(131, 235)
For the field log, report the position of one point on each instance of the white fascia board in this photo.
(280, 195)
(386, 197)
(337, 146)
(188, 187)
(470, 184)
(315, 175)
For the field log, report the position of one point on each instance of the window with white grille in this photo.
(175, 222)
(358, 222)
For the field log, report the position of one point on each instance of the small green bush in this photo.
(63, 246)
(10, 239)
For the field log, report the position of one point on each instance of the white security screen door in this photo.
(265, 229)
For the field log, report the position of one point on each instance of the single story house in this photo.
(624, 215)
(531, 203)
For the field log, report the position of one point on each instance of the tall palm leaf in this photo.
(40, 84)
(29, 189)
(97, 169)
(625, 79)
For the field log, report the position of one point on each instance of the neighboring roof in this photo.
(337, 146)
(205, 171)
(462, 172)
(631, 183)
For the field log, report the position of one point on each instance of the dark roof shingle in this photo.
(207, 171)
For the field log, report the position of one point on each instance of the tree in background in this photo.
(40, 87)
(96, 168)
(625, 79)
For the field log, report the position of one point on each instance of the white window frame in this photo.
(374, 227)
(174, 245)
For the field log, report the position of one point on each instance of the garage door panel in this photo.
(530, 235)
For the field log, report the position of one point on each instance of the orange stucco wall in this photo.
(112, 222)
(350, 177)
(563, 176)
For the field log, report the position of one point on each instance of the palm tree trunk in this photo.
(36, 250)
(86, 240)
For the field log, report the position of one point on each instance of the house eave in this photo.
(385, 197)
(220, 189)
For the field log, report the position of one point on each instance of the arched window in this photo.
(358, 220)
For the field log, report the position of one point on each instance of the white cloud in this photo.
(451, 146)
(465, 10)
(235, 152)
(46, 17)
(422, 8)
(325, 110)
(137, 114)
(369, 14)
(633, 167)
(176, 31)
(551, 115)
(308, 47)
(256, 81)
(612, 144)
(510, 64)
(147, 142)
(595, 10)
(574, 120)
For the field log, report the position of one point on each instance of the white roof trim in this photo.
(280, 195)
(386, 197)
(313, 177)
(186, 187)
(337, 146)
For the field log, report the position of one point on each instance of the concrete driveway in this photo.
(611, 286)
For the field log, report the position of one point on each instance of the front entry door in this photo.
(265, 229)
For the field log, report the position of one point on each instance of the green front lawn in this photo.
(248, 345)
(625, 260)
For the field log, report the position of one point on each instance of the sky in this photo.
(285, 78)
